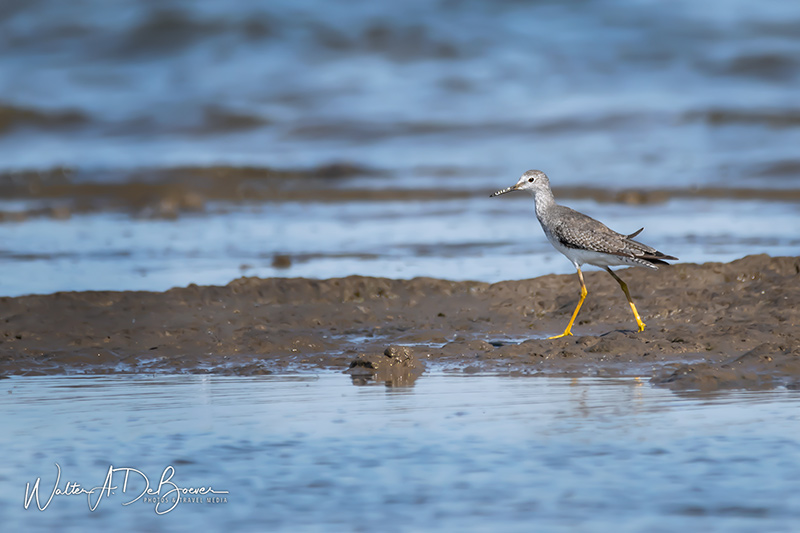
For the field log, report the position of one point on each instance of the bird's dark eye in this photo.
(530, 180)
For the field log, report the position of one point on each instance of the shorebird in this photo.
(585, 240)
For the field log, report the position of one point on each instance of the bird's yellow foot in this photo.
(565, 334)
(635, 314)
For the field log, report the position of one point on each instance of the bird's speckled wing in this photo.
(576, 230)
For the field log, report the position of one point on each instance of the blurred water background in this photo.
(146, 145)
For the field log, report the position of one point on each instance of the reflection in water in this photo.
(453, 452)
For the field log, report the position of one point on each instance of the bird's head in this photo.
(532, 181)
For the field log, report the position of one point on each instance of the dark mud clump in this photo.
(765, 366)
(397, 366)
(708, 326)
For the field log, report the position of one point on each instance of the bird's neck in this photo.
(544, 201)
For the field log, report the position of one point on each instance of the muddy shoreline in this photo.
(709, 326)
(169, 193)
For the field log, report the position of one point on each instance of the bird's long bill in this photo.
(503, 191)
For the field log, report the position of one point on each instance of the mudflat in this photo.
(709, 326)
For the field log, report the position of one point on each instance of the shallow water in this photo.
(453, 452)
(467, 239)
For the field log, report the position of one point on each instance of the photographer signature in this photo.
(167, 495)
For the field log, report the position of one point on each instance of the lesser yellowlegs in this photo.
(585, 240)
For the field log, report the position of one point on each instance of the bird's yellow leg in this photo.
(578, 308)
(628, 296)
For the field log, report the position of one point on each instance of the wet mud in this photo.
(168, 193)
(709, 326)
